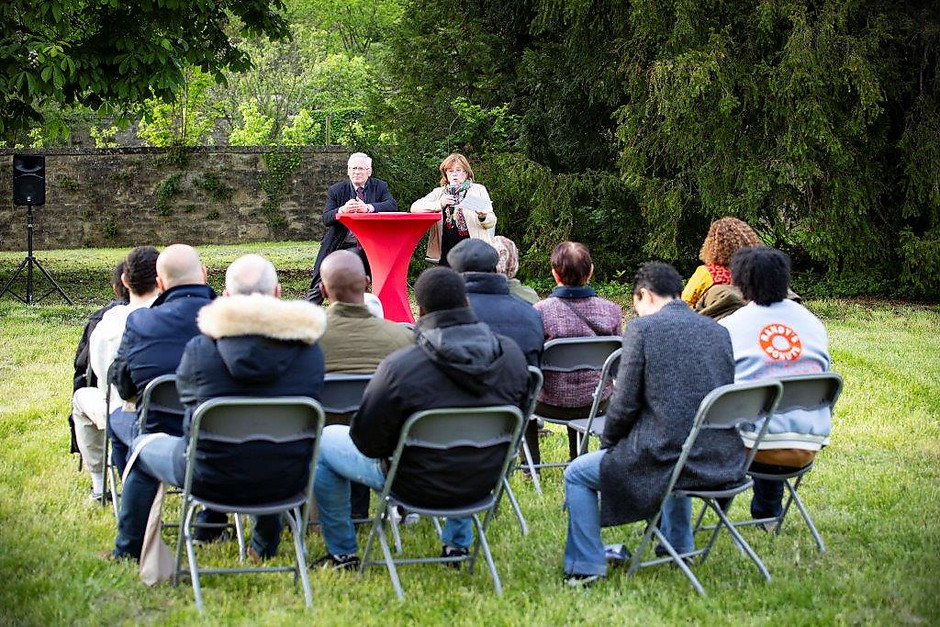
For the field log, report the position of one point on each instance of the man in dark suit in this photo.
(360, 194)
(672, 357)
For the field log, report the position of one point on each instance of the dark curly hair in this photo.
(761, 273)
(724, 237)
(140, 268)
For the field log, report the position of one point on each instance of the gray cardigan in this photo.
(671, 360)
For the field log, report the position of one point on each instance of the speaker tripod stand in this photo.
(28, 263)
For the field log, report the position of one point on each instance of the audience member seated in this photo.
(491, 301)
(773, 336)
(573, 309)
(355, 340)
(508, 266)
(651, 412)
(252, 344)
(709, 290)
(458, 362)
(80, 377)
(89, 405)
(152, 345)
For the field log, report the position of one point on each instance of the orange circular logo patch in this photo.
(780, 342)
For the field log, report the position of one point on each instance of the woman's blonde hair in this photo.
(450, 161)
(725, 237)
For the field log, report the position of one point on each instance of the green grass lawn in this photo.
(875, 497)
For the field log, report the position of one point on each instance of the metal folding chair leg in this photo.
(393, 523)
(738, 539)
(294, 522)
(795, 498)
(240, 536)
(533, 471)
(515, 506)
(483, 544)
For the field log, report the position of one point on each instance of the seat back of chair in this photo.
(237, 420)
(232, 421)
(160, 395)
(450, 428)
(342, 393)
(535, 386)
(569, 354)
(811, 391)
(729, 406)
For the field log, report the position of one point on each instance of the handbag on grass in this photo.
(156, 561)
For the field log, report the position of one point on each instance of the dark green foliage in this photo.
(118, 52)
(213, 185)
(280, 163)
(816, 122)
(166, 189)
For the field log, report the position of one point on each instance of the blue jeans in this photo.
(341, 462)
(584, 551)
(163, 460)
(767, 501)
(676, 524)
(122, 429)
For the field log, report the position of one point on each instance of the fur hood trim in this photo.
(256, 314)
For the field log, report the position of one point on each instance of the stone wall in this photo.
(130, 196)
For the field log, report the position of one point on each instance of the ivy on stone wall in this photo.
(280, 164)
(166, 189)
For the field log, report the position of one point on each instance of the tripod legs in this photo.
(28, 263)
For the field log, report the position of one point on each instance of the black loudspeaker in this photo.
(29, 180)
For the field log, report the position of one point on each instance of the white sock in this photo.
(97, 483)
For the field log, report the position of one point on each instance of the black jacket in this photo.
(80, 363)
(153, 343)
(376, 194)
(507, 315)
(457, 362)
(251, 346)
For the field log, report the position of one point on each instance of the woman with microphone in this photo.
(465, 208)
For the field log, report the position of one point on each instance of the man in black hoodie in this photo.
(251, 344)
(457, 362)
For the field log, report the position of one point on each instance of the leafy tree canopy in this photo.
(118, 53)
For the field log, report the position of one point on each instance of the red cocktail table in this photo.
(389, 239)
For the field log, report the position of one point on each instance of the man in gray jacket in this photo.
(672, 357)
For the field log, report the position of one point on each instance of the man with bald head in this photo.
(355, 341)
(251, 343)
(152, 345)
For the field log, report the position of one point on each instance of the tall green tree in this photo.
(118, 52)
(814, 120)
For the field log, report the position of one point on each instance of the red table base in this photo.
(389, 239)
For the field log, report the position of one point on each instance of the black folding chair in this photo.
(723, 408)
(808, 392)
(241, 420)
(442, 430)
(594, 423)
(570, 354)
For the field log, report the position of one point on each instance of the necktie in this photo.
(360, 195)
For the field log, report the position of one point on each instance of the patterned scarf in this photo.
(452, 217)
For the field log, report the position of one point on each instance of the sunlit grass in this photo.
(875, 496)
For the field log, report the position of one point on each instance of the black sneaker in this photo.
(582, 581)
(454, 551)
(207, 535)
(337, 562)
